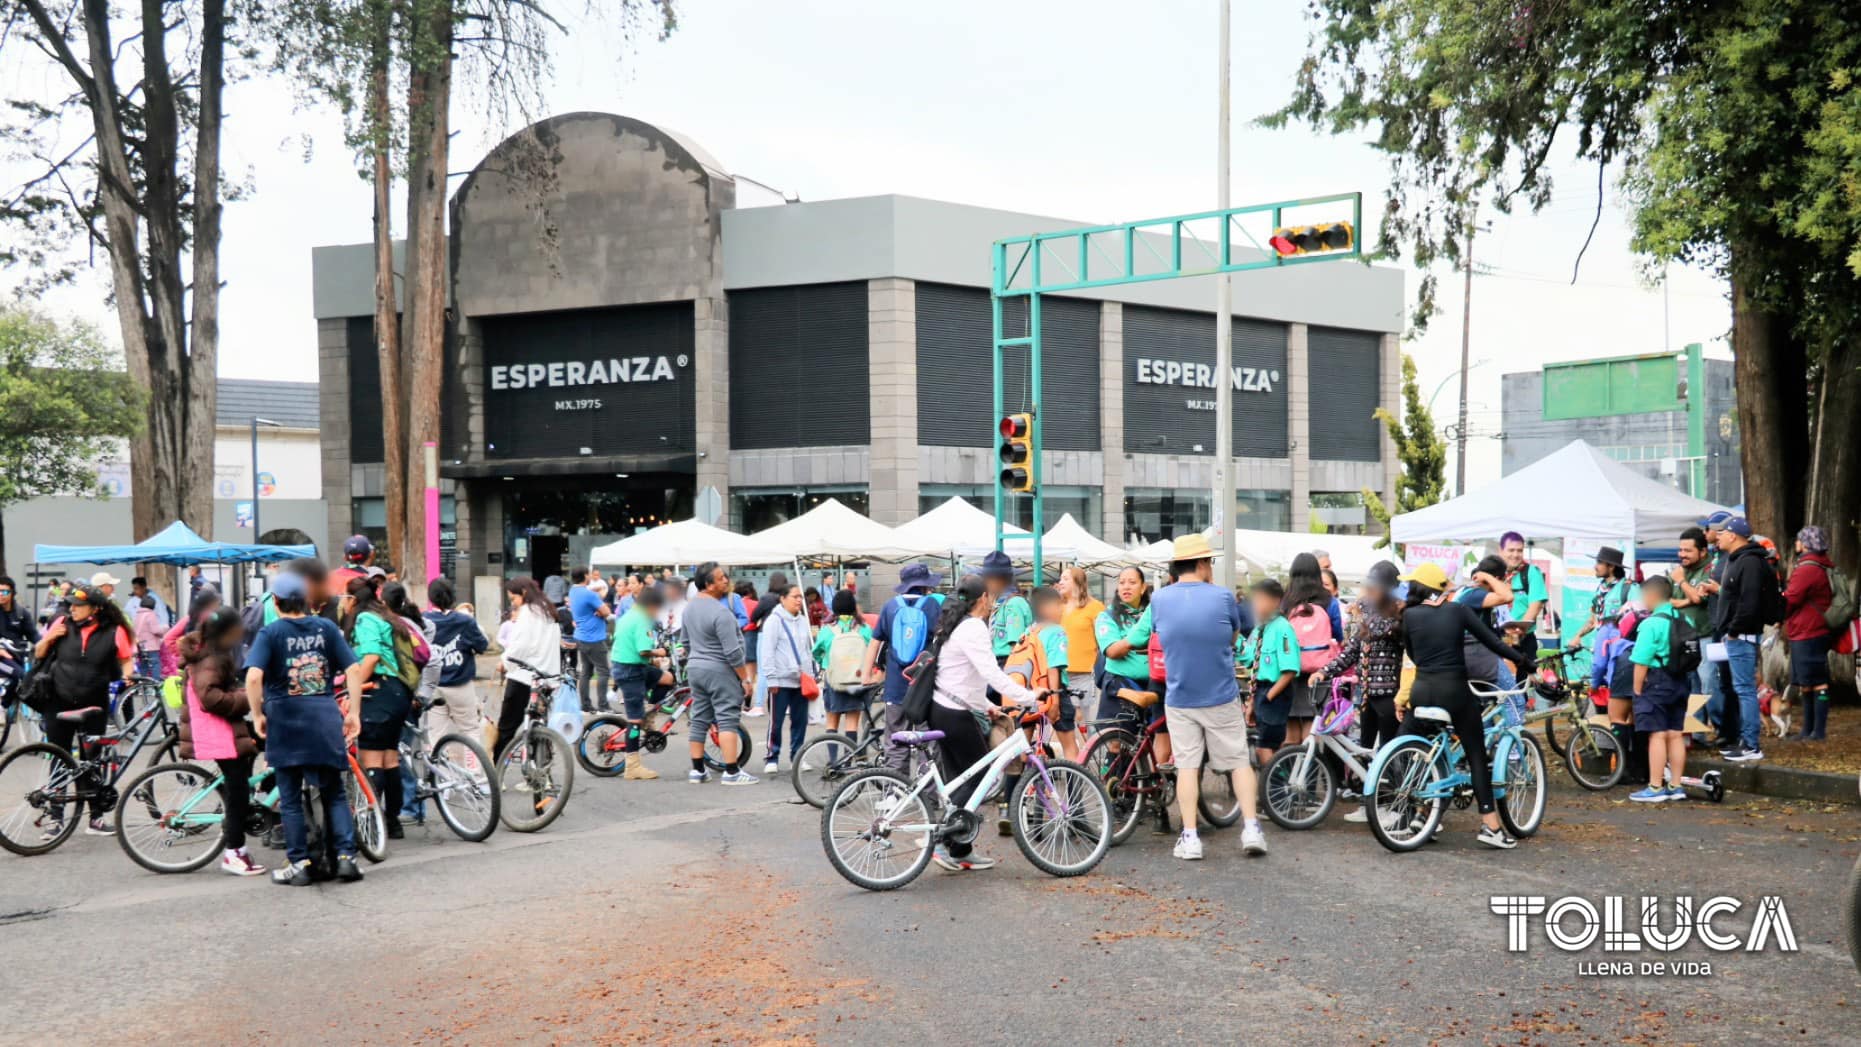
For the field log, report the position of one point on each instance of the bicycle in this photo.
(535, 772)
(47, 778)
(1060, 814)
(13, 711)
(602, 747)
(1299, 784)
(170, 808)
(455, 773)
(1414, 777)
(1592, 754)
(826, 760)
(1124, 762)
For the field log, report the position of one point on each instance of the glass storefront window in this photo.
(1342, 512)
(1153, 513)
(1264, 510)
(1086, 504)
(758, 508)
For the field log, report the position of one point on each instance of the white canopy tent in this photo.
(687, 542)
(1087, 551)
(1271, 552)
(1575, 492)
(953, 529)
(832, 530)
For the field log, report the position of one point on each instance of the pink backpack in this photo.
(1312, 626)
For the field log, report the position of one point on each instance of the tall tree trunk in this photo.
(387, 318)
(1770, 371)
(199, 399)
(1835, 462)
(429, 99)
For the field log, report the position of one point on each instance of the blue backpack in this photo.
(911, 627)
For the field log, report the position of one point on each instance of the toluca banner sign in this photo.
(576, 374)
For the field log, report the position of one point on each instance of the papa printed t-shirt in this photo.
(303, 661)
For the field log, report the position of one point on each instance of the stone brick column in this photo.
(1111, 418)
(333, 419)
(1391, 399)
(892, 362)
(711, 396)
(1299, 424)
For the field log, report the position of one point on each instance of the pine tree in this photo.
(1419, 447)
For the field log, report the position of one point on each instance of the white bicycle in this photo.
(1301, 783)
(880, 828)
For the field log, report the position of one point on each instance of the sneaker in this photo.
(697, 777)
(1188, 848)
(292, 874)
(976, 862)
(274, 838)
(346, 869)
(740, 778)
(1497, 838)
(758, 711)
(1358, 816)
(53, 830)
(771, 767)
(1674, 792)
(239, 863)
(944, 861)
(806, 767)
(99, 827)
(1253, 841)
(1747, 756)
(1651, 794)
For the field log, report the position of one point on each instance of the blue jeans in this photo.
(786, 703)
(149, 664)
(412, 807)
(291, 782)
(1743, 656)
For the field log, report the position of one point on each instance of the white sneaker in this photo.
(740, 778)
(1253, 841)
(697, 777)
(1188, 848)
(771, 767)
(758, 711)
(1358, 816)
(239, 863)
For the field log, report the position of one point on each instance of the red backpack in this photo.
(1157, 671)
(1312, 626)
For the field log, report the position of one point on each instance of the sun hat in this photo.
(1191, 547)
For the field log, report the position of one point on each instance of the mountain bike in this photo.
(536, 772)
(455, 773)
(1414, 777)
(38, 781)
(826, 760)
(880, 828)
(1590, 750)
(1299, 784)
(172, 818)
(14, 715)
(1124, 762)
(602, 747)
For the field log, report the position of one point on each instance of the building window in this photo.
(1342, 512)
(1263, 510)
(759, 508)
(1152, 513)
(1086, 504)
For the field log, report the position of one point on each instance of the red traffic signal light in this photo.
(1312, 239)
(1016, 453)
(1017, 426)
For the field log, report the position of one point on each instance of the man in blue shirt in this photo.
(900, 644)
(1198, 623)
(590, 614)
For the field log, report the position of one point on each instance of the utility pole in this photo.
(1466, 327)
(1223, 514)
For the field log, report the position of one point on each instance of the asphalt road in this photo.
(668, 913)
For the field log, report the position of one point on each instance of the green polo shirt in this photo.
(1652, 637)
(1053, 644)
(633, 638)
(1009, 623)
(1276, 651)
(374, 635)
(1695, 614)
(1136, 664)
(1529, 591)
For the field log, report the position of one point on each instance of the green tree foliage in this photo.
(1420, 450)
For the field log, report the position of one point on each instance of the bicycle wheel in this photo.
(461, 777)
(1551, 737)
(714, 756)
(535, 777)
(39, 804)
(172, 818)
(601, 750)
(1522, 807)
(1594, 758)
(861, 830)
(1113, 760)
(1216, 799)
(1061, 820)
(1400, 819)
(1300, 788)
(371, 824)
(823, 763)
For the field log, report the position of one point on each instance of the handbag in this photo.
(35, 691)
(810, 687)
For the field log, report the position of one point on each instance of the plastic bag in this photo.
(565, 712)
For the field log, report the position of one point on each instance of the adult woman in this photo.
(1078, 611)
(1122, 635)
(90, 648)
(819, 613)
(1434, 631)
(214, 727)
(960, 705)
(206, 601)
(395, 596)
(1330, 578)
(1306, 596)
(532, 640)
(1375, 648)
(780, 644)
(370, 627)
(1805, 600)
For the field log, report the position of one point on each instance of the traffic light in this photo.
(1017, 453)
(1313, 239)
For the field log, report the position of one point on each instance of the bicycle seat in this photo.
(78, 715)
(1431, 713)
(916, 737)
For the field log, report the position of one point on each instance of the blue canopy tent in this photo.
(177, 545)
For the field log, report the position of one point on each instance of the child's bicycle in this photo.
(455, 773)
(172, 816)
(1123, 760)
(602, 748)
(880, 829)
(1300, 783)
(1591, 753)
(1414, 777)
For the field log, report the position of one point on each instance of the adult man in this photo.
(1528, 590)
(1324, 564)
(105, 583)
(138, 588)
(719, 678)
(17, 625)
(1739, 621)
(1013, 615)
(357, 553)
(903, 631)
(1691, 581)
(590, 615)
(194, 582)
(1198, 623)
(625, 593)
(1720, 712)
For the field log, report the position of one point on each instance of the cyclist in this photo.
(635, 674)
(370, 626)
(960, 705)
(213, 726)
(532, 639)
(17, 625)
(844, 708)
(1375, 649)
(1434, 634)
(1123, 633)
(89, 649)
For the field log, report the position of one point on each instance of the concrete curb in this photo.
(1787, 783)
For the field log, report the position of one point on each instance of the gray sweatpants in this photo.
(716, 699)
(896, 756)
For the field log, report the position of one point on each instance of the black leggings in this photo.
(510, 715)
(238, 789)
(964, 743)
(1450, 691)
(64, 735)
(1376, 722)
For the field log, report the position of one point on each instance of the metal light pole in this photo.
(1466, 327)
(1224, 342)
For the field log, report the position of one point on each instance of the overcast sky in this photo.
(1100, 110)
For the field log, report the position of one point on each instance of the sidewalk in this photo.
(1821, 771)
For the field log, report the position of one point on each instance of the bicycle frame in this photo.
(184, 814)
(137, 731)
(1446, 745)
(992, 768)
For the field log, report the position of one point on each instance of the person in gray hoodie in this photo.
(781, 646)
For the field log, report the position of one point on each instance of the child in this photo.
(1049, 612)
(290, 684)
(845, 705)
(213, 726)
(149, 629)
(1276, 668)
(1660, 694)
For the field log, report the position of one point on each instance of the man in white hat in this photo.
(105, 582)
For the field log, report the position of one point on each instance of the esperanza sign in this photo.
(570, 374)
(1202, 376)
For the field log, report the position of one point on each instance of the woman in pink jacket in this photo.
(214, 726)
(205, 603)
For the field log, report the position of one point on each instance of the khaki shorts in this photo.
(1220, 730)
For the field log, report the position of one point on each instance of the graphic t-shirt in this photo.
(302, 660)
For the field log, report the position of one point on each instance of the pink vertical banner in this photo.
(432, 511)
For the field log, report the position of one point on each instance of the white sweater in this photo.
(534, 640)
(966, 669)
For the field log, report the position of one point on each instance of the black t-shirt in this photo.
(18, 625)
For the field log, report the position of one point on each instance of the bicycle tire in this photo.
(1551, 739)
(1597, 762)
(1405, 766)
(542, 765)
(1290, 804)
(852, 815)
(371, 824)
(602, 761)
(1851, 914)
(1216, 799)
(144, 827)
(818, 770)
(1088, 811)
(451, 769)
(22, 828)
(1522, 819)
(714, 755)
(1127, 807)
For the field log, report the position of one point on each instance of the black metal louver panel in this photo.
(955, 333)
(1345, 381)
(799, 366)
(1169, 393)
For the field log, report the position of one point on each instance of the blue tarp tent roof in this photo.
(177, 545)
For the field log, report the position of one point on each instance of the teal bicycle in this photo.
(1415, 777)
(171, 817)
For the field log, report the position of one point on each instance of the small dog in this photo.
(1776, 707)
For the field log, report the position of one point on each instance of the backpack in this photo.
(1158, 671)
(910, 628)
(1841, 609)
(1027, 660)
(846, 657)
(1316, 644)
(1683, 648)
(922, 672)
(253, 618)
(411, 655)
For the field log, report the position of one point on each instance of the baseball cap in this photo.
(1428, 574)
(1717, 520)
(357, 548)
(1739, 526)
(105, 578)
(288, 585)
(85, 594)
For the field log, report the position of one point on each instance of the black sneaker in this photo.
(395, 832)
(1497, 838)
(1732, 752)
(292, 874)
(346, 869)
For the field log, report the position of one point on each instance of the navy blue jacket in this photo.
(457, 641)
